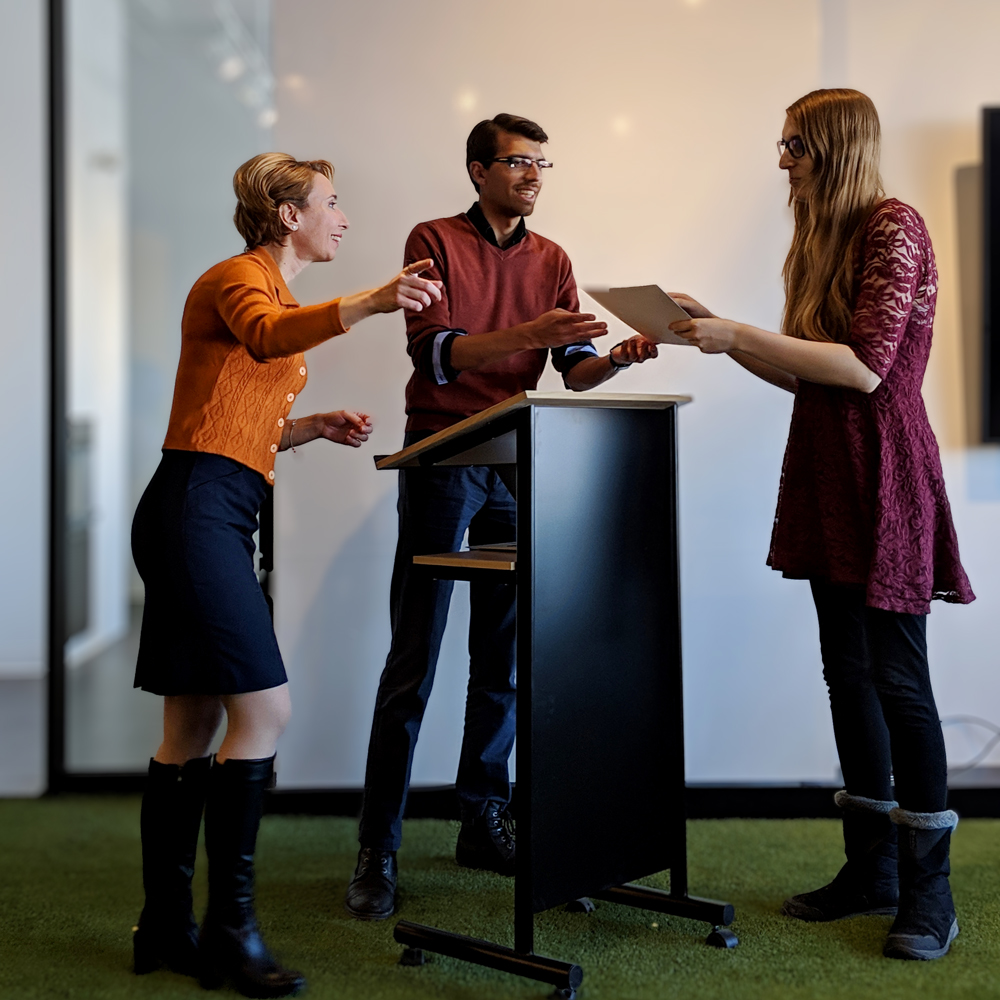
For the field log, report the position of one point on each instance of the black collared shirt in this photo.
(479, 220)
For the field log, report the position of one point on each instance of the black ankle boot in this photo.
(166, 933)
(487, 842)
(868, 882)
(926, 925)
(230, 945)
(372, 892)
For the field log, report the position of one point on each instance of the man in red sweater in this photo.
(509, 299)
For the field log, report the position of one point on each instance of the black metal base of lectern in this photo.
(599, 701)
(561, 975)
(565, 977)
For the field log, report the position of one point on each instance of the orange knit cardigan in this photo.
(241, 364)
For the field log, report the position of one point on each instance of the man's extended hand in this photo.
(559, 327)
(634, 351)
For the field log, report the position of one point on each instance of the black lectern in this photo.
(600, 727)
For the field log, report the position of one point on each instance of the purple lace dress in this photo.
(862, 498)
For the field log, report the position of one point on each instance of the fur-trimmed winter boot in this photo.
(925, 925)
(867, 883)
(230, 944)
(169, 822)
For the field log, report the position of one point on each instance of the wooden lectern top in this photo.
(411, 456)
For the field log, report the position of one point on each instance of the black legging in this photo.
(884, 717)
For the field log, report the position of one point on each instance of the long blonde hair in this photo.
(840, 130)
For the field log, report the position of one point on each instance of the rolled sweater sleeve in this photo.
(430, 333)
(564, 359)
(248, 304)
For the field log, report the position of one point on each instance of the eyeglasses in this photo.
(795, 146)
(521, 162)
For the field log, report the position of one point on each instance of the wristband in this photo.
(615, 364)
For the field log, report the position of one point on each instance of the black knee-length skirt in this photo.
(206, 628)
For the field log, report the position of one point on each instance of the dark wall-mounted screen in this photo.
(991, 273)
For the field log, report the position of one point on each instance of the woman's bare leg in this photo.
(190, 722)
(255, 721)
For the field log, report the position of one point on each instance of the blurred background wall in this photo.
(663, 116)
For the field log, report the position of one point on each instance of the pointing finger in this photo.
(418, 266)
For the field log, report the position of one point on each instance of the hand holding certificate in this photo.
(647, 309)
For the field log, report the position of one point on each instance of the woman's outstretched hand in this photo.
(691, 306)
(710, 336)
(705, 330)
(408, 290)
(344, 427)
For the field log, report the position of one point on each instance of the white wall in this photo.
(929, 86)
(24, 336)
(664, 172)
(663, 120)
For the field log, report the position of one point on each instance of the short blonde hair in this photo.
(266, 182)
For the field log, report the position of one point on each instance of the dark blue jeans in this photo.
(436, 506)
(884, 717)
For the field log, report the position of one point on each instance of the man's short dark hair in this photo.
(483, 142)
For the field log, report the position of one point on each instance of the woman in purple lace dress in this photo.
(862, 511)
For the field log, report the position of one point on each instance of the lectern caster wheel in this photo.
(413, 956)
(566, 994)
(581, 905)
(722, 938)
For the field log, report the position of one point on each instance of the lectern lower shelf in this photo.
(466, 565)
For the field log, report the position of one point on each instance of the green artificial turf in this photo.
(70, 891)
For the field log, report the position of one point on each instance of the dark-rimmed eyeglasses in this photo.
(521, 162)
(795, 146)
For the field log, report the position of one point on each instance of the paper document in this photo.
(647, 309)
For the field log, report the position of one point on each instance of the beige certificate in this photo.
(647, 309)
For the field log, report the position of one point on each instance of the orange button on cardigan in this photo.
(241, 365)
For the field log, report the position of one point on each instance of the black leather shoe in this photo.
(487, 842)
(372, 892)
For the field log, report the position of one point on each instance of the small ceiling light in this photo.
(466, 99)
(231, 68)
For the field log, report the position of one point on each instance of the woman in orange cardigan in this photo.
(207, 642)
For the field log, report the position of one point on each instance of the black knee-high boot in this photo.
(230, 944)
(867, 883)
(926, 924)
(169, 822)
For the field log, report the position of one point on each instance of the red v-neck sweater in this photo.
(485, 289)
